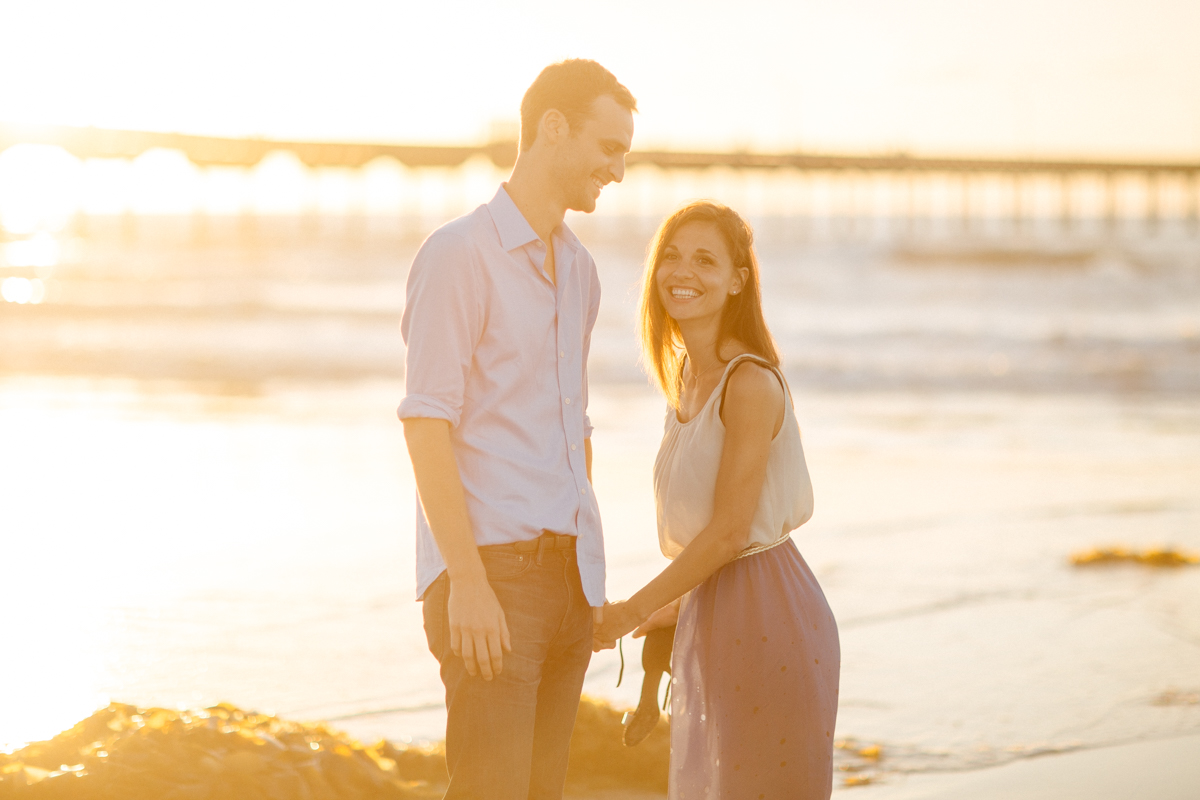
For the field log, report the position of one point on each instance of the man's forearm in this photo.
(587, 456)
(442, 497)
(478, 630)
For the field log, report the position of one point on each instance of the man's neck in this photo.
(533, 196)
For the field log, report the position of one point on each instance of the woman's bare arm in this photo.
(753, 411)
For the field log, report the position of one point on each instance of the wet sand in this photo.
(1167, 769)
(942, 539)
(1162, 770)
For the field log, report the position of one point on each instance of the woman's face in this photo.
(695, 274)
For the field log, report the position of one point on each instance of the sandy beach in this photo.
(988, 649)
(250, 542)
(1163, 770)
(187, 752)
(1167, 769)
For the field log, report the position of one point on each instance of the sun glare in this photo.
(163, 182)
(52, 696)
(41, 250)
(280, 185)
(39, 188)
(23, 290)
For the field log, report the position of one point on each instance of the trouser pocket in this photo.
(436, 617)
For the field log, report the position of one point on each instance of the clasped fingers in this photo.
(599, 644)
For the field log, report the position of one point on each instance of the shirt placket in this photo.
(570, 373)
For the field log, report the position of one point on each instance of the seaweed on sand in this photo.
(1154, 557)
(123, 752)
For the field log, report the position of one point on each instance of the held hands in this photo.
(615, 620)
(478, 631)
(610, 623)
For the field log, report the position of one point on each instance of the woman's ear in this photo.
(740, 283)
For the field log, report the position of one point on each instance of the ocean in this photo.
(205, 494)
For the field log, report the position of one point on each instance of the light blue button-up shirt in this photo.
(500, 352)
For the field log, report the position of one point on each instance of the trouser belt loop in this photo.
(544, 544)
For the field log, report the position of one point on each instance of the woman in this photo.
(756, 655)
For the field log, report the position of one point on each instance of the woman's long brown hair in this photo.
(741, 317)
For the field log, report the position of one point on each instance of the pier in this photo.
(904, 187)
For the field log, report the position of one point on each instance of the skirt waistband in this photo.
(762, 548)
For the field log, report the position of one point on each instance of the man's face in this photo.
(594, 154)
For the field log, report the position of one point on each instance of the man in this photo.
(510, 555)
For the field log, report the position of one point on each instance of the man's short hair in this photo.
(570, 87)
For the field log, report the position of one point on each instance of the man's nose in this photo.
(617, 168)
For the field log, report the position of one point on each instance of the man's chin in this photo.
(586, 206)
(584, 202)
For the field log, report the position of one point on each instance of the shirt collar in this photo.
(515, 231)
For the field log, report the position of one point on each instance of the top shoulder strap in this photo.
(736, 362)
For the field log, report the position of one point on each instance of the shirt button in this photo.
(572, 447)
(562, 354)
(538, 244)
(568, 401)
(583, 491)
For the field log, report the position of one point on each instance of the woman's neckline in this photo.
(713, 393)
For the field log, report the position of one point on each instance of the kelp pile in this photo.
(1154, 557)
(123, 752)
(1174, 697)
(857, 761)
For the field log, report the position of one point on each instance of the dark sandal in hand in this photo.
(656, 659)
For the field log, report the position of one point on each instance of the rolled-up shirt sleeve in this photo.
(442, 322)
(593, 312)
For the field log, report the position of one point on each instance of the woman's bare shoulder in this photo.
(752, 391)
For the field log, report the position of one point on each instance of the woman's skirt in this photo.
(754, 687)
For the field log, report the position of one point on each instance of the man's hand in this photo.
(597, 623)
(616, 620)
(478, 631)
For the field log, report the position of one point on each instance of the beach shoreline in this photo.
(1163, 769)
(225, 748)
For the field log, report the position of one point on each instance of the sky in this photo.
(1020, 77)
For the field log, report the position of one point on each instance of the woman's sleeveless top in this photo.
(685, 475)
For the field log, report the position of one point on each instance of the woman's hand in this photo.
(616, 620)
(665, 617)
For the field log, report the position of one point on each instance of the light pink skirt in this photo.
(754, 688)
